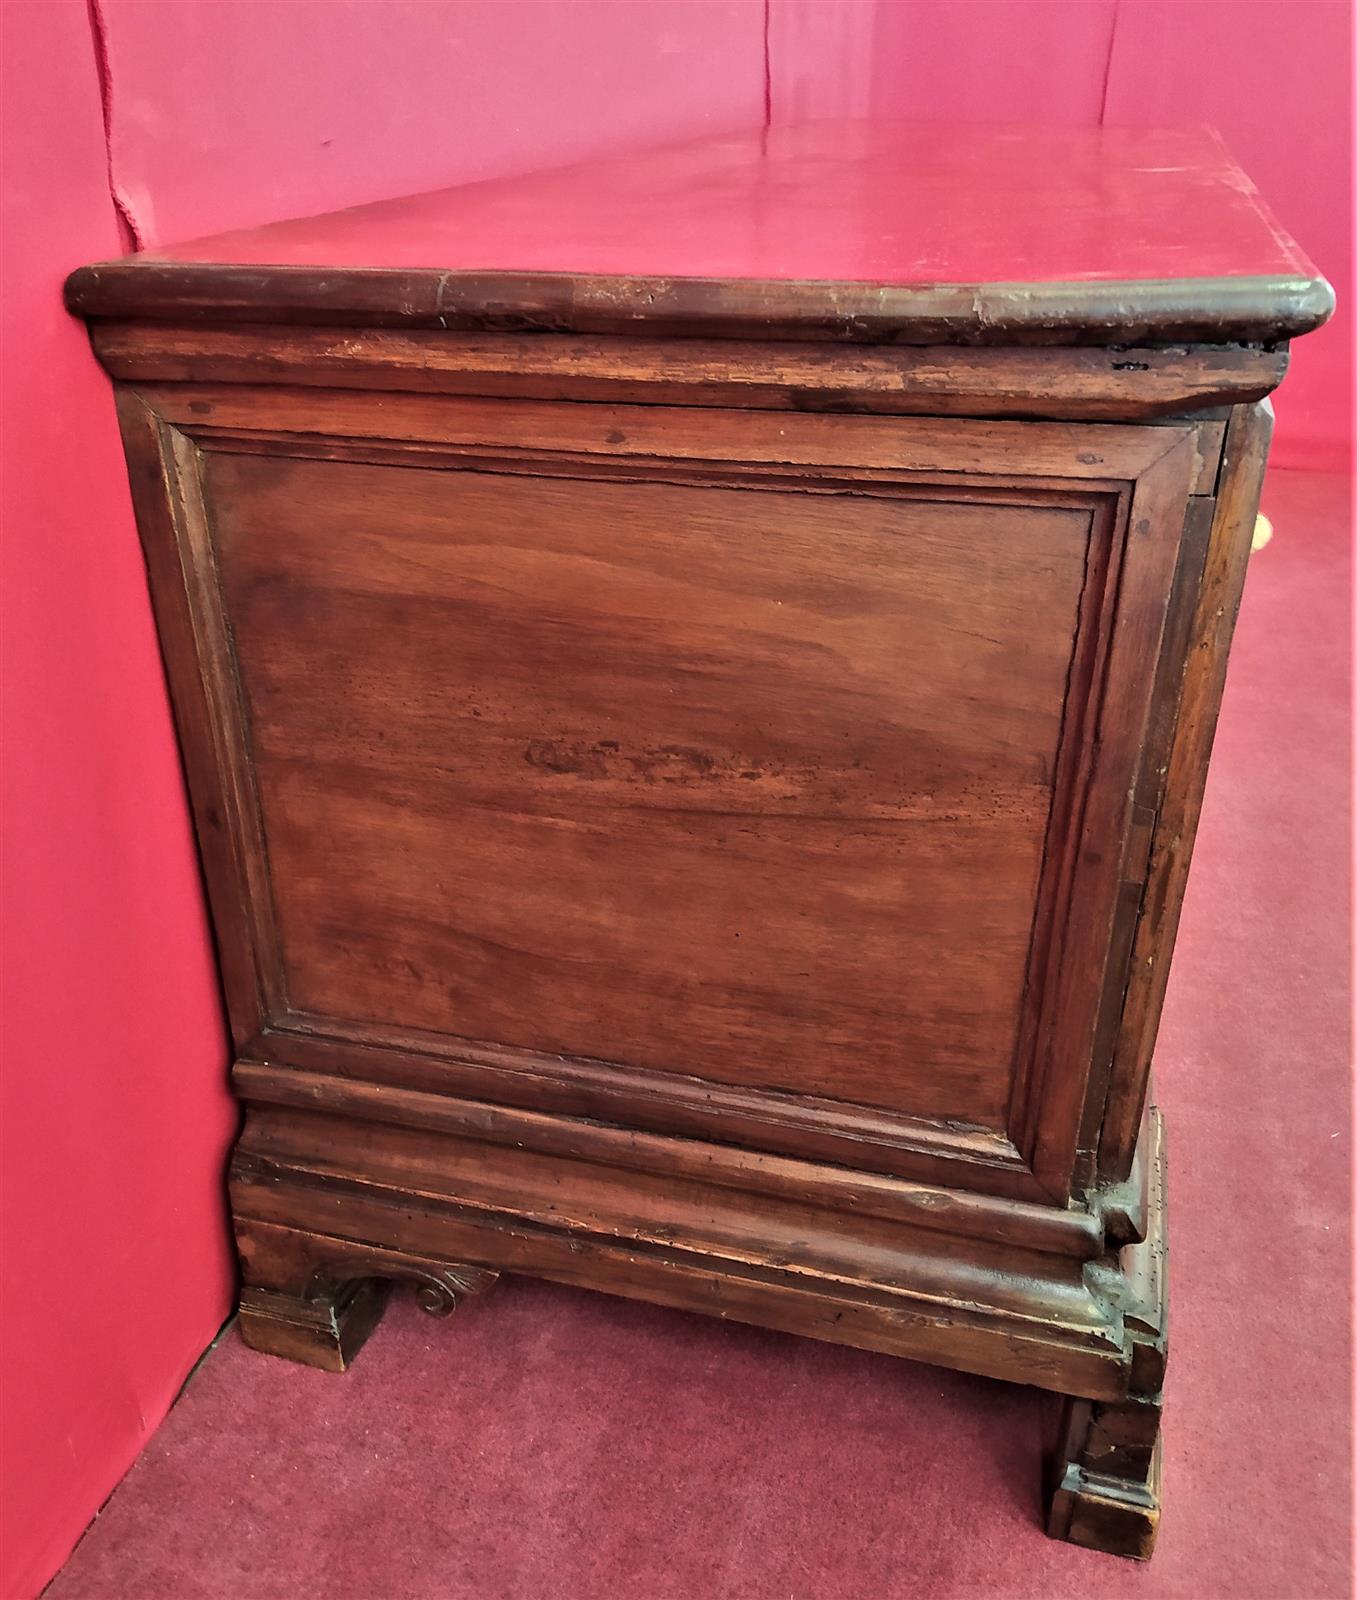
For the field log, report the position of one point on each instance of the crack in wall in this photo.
(767, 65)
(130, 230)
(1107, 65)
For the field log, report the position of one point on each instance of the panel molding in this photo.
(1194, 678)
(264, 1079)
(865, 1138)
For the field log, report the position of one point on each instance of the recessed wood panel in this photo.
(708, 778)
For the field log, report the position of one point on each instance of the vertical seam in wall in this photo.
(1107, 65)
(767, 65)
(128, 226)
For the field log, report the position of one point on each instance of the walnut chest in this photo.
(696, 674)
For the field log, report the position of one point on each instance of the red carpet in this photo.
(551, 1443)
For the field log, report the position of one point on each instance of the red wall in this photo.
(229, 112)
(114, 1116)
(233, 113)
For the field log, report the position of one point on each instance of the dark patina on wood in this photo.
(1208, 311)
(695, 771)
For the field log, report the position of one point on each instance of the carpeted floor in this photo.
(551, 1443)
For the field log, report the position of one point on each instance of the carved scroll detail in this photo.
(439, 1293)
(439, 1290)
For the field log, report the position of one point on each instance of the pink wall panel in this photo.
(820, 59)
(235, 113)
(991, 60)
(924, 60)
(114, 1116)
(1273, 77)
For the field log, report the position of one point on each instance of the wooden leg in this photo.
(1108, 1464)
(1106, 1479)
(313, 1298)
(323, 1330)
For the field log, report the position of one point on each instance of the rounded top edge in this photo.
(1182, 310)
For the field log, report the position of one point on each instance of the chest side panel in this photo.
(721, 773)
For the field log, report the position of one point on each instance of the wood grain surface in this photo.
(671, 773)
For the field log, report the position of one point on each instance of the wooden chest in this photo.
(696, 675)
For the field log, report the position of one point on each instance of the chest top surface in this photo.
(834, 229)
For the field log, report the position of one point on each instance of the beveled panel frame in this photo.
(1133, 480)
